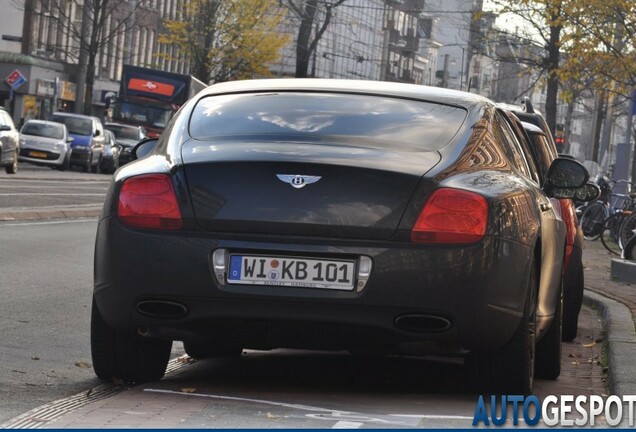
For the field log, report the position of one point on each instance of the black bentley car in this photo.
(332, 214)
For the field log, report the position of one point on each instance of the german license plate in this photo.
(37, 154)
(291, 271)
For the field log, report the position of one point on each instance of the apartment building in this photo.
(366, 39)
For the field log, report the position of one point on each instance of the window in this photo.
(509, 143)
(384, 122)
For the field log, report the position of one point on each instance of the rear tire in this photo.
(97, 169)
(548, 359)
(572, 301)
(509, 370)
(13, 168)
(87, 165)
(126, 355)
(66, 164)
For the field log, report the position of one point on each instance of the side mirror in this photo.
(566, 173)
(144, 147)
(96, 132)
(5, 128)
(586, 193)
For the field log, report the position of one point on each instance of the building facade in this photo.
(393, 40)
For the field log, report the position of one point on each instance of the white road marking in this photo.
(341, 417)
(76, 186)
(51, 194)
(347, 425)
(57, 222)
(234, 398)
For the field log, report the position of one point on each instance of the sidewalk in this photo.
(616, 302)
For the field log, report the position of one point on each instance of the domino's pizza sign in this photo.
(15, 79)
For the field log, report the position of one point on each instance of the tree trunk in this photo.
(568, 124)
(90, 81)
(552, 90)
(303, 54)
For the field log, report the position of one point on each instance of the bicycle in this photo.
(620, 226)
(594, 214)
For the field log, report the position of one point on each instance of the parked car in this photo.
(332, 214)
(9, 143)
(109, 161)
(544, 151)
(88, 139)
(127, 137)
(46, 143)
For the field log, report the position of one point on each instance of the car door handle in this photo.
(545, 206)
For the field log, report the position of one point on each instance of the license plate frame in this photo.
(288, 271)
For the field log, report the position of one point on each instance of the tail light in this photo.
(451, 216)
(568, 214)
(149, 201)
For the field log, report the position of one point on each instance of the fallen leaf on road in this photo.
(188, 390)
(35, 358)
(589, 345)
(83, 365)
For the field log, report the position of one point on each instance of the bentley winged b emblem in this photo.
(297, 180)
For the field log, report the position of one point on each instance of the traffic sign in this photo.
(15, 79)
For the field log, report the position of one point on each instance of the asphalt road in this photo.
(45, 291)
(42, 187)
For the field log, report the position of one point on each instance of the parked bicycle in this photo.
(620, 223)
(594, 214)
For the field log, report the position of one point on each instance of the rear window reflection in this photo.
(383, 121)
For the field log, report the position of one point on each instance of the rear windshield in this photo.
(384, 121)
(122, 132)
(76, 125)
(49, 130)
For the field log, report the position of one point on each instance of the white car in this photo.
(45, 143)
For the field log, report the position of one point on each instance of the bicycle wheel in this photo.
(610, 233)
(592, 220)
(627, 230)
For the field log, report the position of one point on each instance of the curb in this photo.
(618, 325)
(624, 270)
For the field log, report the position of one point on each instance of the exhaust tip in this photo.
(162, 309)
(422, 323)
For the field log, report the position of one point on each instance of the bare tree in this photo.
(311, 13)
(79, 30)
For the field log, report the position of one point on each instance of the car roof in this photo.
(44, 122)
(413, 91)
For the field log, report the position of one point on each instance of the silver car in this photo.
(45, 143)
